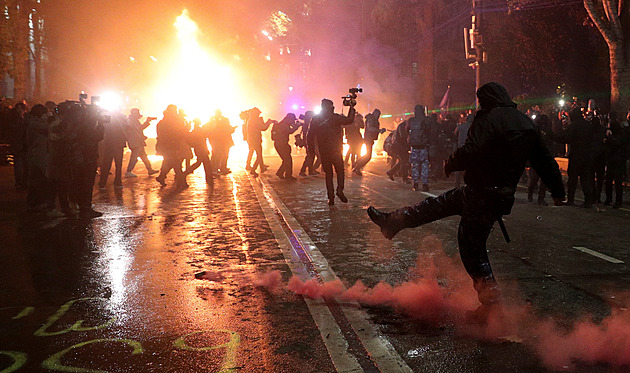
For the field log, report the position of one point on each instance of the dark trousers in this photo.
(330, 161)
(367, 157)
(599, 176)
(255, 148)
(284, 151)
(83, 183)
(109, 155)
(171, 161)
(580, 168)
(38, 189)
(219, 158)
(202, 159)
(478, 211)
(354, 153)
(20, 171)
(533, 184)
(309, 160)
(401, 165)
(615, 171)
(133, 159)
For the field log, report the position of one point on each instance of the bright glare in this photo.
(561, 102)
(110, 101)
(317, 109)
(196, 82)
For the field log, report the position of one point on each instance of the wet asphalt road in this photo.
(118, 293)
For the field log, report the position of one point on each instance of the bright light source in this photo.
(270, 37)
(290, 89)
(561, 102)
(295, 106)
(110, 101)
(154, 59)
(265, 33)
(317, 109)
(268, 57)
(533, 116)
(132, 59)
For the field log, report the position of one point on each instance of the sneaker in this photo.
(153, 172)
(357, 171)
(342, 197)
(253, 173)
(161, 181)
(248, 168)
(331, 201)
(481, 315)
(131, 174)
(303, 174)
(391, 177)
(425, 187)
(90, 213)
(264, 168)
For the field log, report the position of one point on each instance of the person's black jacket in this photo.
(579, 135)
(500, 141)
(328, 131)
(616, 142)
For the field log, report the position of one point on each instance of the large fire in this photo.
(196, 81)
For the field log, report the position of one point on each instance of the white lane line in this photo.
(598, 255)
(330, 332)
(379, 349)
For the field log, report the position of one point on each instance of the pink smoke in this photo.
(269, 280)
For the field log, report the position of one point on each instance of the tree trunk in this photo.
(619, 78)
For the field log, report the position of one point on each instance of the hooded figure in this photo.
(501, 140)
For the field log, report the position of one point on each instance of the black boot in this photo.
(390, 223)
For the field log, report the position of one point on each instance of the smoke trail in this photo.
(441, 293)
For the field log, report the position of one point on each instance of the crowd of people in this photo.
(59, 149)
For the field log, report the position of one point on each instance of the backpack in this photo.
(389, 142)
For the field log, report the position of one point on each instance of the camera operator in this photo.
(134, 131)
(328, 132)
(311, 146)
(280, 135)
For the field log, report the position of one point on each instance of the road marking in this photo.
(305, 259)
(599, 255)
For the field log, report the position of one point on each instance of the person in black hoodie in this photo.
(500, 141)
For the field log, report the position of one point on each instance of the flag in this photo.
(445, 100)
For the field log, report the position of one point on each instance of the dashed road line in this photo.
(598, 255)
(342, 327)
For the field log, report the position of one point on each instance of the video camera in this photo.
(351, 99)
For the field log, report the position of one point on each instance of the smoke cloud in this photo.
(441, 293)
